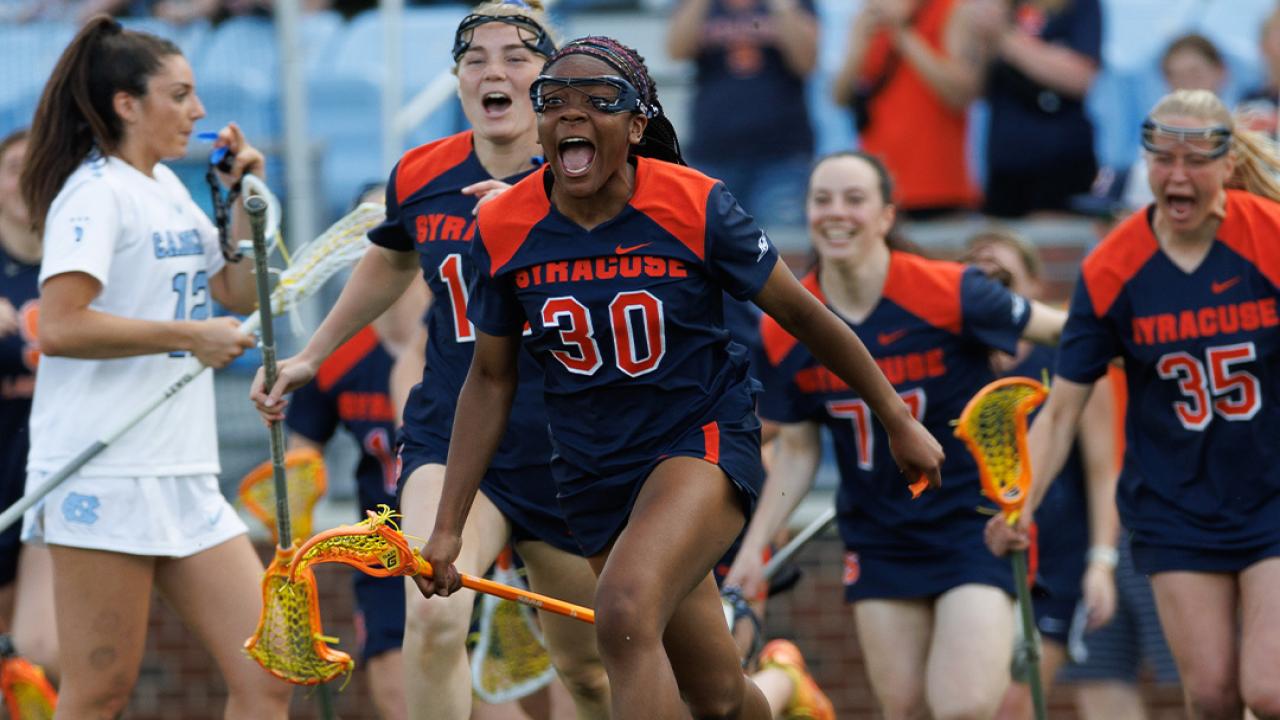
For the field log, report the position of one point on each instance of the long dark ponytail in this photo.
(659, 141)
(76, 110)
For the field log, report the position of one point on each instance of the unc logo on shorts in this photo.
(77, 508)
(852, 569)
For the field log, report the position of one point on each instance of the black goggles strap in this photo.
(541, 42)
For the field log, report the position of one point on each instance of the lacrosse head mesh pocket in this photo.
(289, 641)
(27, 692)
(994, 428)
(510, 659)
(306, 480)
(374, 546)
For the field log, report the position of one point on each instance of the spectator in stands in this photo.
(1046, 54)
(1191, 62)
(911, 69)
(1259, 110)
(751, 125)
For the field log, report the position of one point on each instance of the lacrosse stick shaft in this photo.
(1030, 649)
(257, 209)
(795, 544)
(514, 594)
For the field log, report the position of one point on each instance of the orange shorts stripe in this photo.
(711, 441)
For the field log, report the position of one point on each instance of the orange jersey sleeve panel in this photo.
(928, 289)
(506, 220)
(675, 197)
(425, 163)
(347, 356)
(1117, 259)
(1252, 229)
(778, 342)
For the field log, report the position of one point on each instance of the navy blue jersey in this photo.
(18, 358)
(1201, 353)
(627, 318)
(931, 334)
(351, 389)
(1063, 515)
(427, 212)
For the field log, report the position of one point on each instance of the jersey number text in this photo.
(1214, 386)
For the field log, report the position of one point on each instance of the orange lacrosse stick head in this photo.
(289, 641)
(27, 692)
(374, 546)
(306, 480)
(994, 428)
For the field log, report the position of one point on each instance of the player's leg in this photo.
(970, 652)
(437, 674)
(380, 614)
(385, 672)
(659, 622)
(218, 594)
(1260, 638)
(1198, 613)
(1017, 703)
(103, 600)
(894, 635)
(1103, 699)
(1054, 618)
(570, 643)
(35, 633)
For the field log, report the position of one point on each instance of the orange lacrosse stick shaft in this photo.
(515, 594)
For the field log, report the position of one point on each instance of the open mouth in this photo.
(1180, 205)
(577, 154)
(840, 234)
(496, 103)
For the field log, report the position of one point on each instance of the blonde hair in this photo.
(1256, 160)
(1027, 252)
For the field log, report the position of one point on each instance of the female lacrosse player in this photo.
(1075, 588)
(933, 613)
(131, 266)
(431, 198)
(1185, 292)
(615, 258)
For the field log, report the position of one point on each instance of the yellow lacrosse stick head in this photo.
(289, 641)
(994, 428)
(27, 692)
(307, 482)
(375, 546)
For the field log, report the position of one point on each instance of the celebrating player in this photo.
(933, 612)
(131, 267)
(430, 202)
(1185, 292)
(615, 258)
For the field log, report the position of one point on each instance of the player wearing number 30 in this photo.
(1185, 291)
(618, 258)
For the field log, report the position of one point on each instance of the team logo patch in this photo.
(83, 509)
(763, 245)
(852, 569)
(1019, 308)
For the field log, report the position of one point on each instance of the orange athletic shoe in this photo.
(27, 693)
(808, 702)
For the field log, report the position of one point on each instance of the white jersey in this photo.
(154, 251)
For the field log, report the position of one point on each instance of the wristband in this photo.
(1103, 555)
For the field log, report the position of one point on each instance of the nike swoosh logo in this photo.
(890, 338)
(624, 250)
(1220, 287)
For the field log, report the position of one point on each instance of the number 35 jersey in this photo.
(627, 318)
(427, 213)
(931, 334)
(1201, 352)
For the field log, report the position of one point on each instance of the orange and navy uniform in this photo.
(428, 214)
(1199, 489)
(931, 334)
(18, 359)
(351, 389)
(627, 322)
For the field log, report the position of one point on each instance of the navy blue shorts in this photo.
(597, 505)
(1055, 613)
(877, 575)
(379, 616)
(1118, 650)
(1150, 559)
(13, 478)
(526, 497)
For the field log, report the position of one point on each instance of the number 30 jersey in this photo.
(427, 213)
(1201, 352)
(627, 318)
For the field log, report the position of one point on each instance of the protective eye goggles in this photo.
(1207, 142)
(531, 33)
(606, 93)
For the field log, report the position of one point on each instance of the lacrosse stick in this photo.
(27, 692)
(994, 427)
(313, 264)
(510, 659)
(305, 477)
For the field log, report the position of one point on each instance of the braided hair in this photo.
(659, 141)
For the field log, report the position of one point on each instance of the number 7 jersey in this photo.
(1200, 354)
